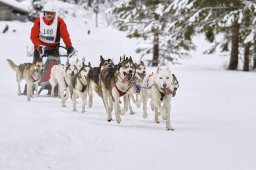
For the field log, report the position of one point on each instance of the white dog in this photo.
(62, 75)
(160, 87)
(80, 86)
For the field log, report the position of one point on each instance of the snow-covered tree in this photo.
(233, 19)
(152, 22)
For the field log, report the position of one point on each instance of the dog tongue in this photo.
(167, 91)
(126, 78)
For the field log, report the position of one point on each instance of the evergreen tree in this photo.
(151, 22)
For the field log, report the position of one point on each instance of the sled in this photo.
(51, 60)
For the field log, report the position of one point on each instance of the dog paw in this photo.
(132, 112)
(145, 115)
(118, 120)
(170, 129)
(109, 118)
(157, 121)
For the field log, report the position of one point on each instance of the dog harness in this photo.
(121, 93)
(34, 80)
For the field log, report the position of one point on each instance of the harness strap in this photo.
(83, 86)
(121, 93)
(66, 84)
(149, 77)
(34, 79)
(162, 96)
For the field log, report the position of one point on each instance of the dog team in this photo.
(110, 81)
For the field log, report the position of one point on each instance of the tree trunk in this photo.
(247, 45)
(254, 55)
(234, 49)
(246, 56)
(155, 49)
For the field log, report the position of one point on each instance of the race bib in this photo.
(48, 33)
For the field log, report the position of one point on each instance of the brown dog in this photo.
(30, 72)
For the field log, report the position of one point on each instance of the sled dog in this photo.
(119, 85)
(160, 88)
(94, 77)
(30, 72)
(62, 75)
(80, 86)
(140, 73)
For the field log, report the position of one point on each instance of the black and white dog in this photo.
(80, 85)
(62, 75)
(137, 80)
(120, 85)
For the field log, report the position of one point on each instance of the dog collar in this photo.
(34, 80)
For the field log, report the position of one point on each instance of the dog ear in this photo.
(158, 69)
(142, 63)
(89, 65)
(101, 58)
(130, 58)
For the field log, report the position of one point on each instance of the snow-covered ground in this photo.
(212, 114)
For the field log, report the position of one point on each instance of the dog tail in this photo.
(12, 64)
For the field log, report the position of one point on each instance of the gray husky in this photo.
(30, 72)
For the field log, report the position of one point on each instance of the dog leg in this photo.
(62, 97)
(132, 97)
(162, 110)
(74, 101)
(53, 87)
(90, 95)
(105, 102)
(110, 101)
(125, 109)
(29, 91)
(144, 96)
(83, 96)
(18, 83)
(138, 100)
(130, 106)
(167, 105)
(117, 107)
(36, 89)
(156, 115)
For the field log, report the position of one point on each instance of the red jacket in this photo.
(62, 32)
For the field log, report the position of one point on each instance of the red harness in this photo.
(121, 93)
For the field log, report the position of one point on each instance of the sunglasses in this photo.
(49, 13)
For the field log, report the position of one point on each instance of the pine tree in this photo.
(151, 22)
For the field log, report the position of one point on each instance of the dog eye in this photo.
(161, 78)
(167, 77)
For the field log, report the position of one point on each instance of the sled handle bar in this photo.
(65, 55)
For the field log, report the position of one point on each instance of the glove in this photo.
(71, 51)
